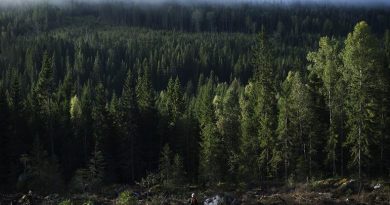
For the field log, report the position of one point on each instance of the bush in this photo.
(79, 181)
(66, 202)
(89, 202)
(41, 172)
(126, 198)
(150, 181)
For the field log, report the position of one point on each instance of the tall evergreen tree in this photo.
(146, 105)
(228, 124)
(361, 58)
(43, 98)
(211, 147)
(327, 66)
(4, 156)
(174, 101)
(249, 142)
(128, 112)
(144, 90)
(97, 69)
(264, 81)
(165, 165)
(296, 127)
(18, 132)
(100, 126)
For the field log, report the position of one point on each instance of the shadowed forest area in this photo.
(199, 96)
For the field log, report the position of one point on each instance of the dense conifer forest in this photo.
(172, 94)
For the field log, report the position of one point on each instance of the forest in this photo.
(115, 93)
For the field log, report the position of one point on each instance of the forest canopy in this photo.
(119, 94)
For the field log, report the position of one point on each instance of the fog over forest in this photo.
(284, 2)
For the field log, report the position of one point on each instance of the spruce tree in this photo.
(4, 140)
(327, 66)
(249, 142)
(265, 108)
(211, 147)
(296, 127)
(228, 124)
(174, 101)
(128, 118)
(43, 98)
(100, 126)
(165, 166)
(361, 58)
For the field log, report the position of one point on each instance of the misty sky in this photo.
(345, 2)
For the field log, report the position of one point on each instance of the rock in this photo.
(222, 199)
(377, 186)
(216, 200)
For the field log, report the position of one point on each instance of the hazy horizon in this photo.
(281, 2)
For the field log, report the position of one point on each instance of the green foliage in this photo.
(296, 127)
(249, 149)
(126, 198)
(228, 125)
(96, 169)
(265, 107)
(89, 202)
(171, 170)
(90, 178)
(144, 90)
(165, 166)
(326, 65)
(41, 173)
(75, 108)
(149, 181)
(178, 172)
(105, 91)
(66, 202)
(174, 104)
(361, 58)
(126, 120)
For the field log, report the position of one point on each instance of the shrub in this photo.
(66, 202)
(89, 202)
(126, 198)
(151, 180)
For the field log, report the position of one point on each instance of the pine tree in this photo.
(211, 148)
(96, 170)
(4, 144)
(86, 120)
(144, 91)
(178, 172)
(128, 112)
(296, 127)
(361, 58)
(75, 108)
(18, 131)
(302, 120)
(43, 98)
(249, 142)
(97, 69)
(326, 65)
(285, 139)
(228, 124)
(174, 101)
(43, 171)
(100, 125)
(148, 119)
(265, 109)
(165, 166)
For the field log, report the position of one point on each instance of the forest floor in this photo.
(330, 191)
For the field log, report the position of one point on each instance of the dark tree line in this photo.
(95, 105)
